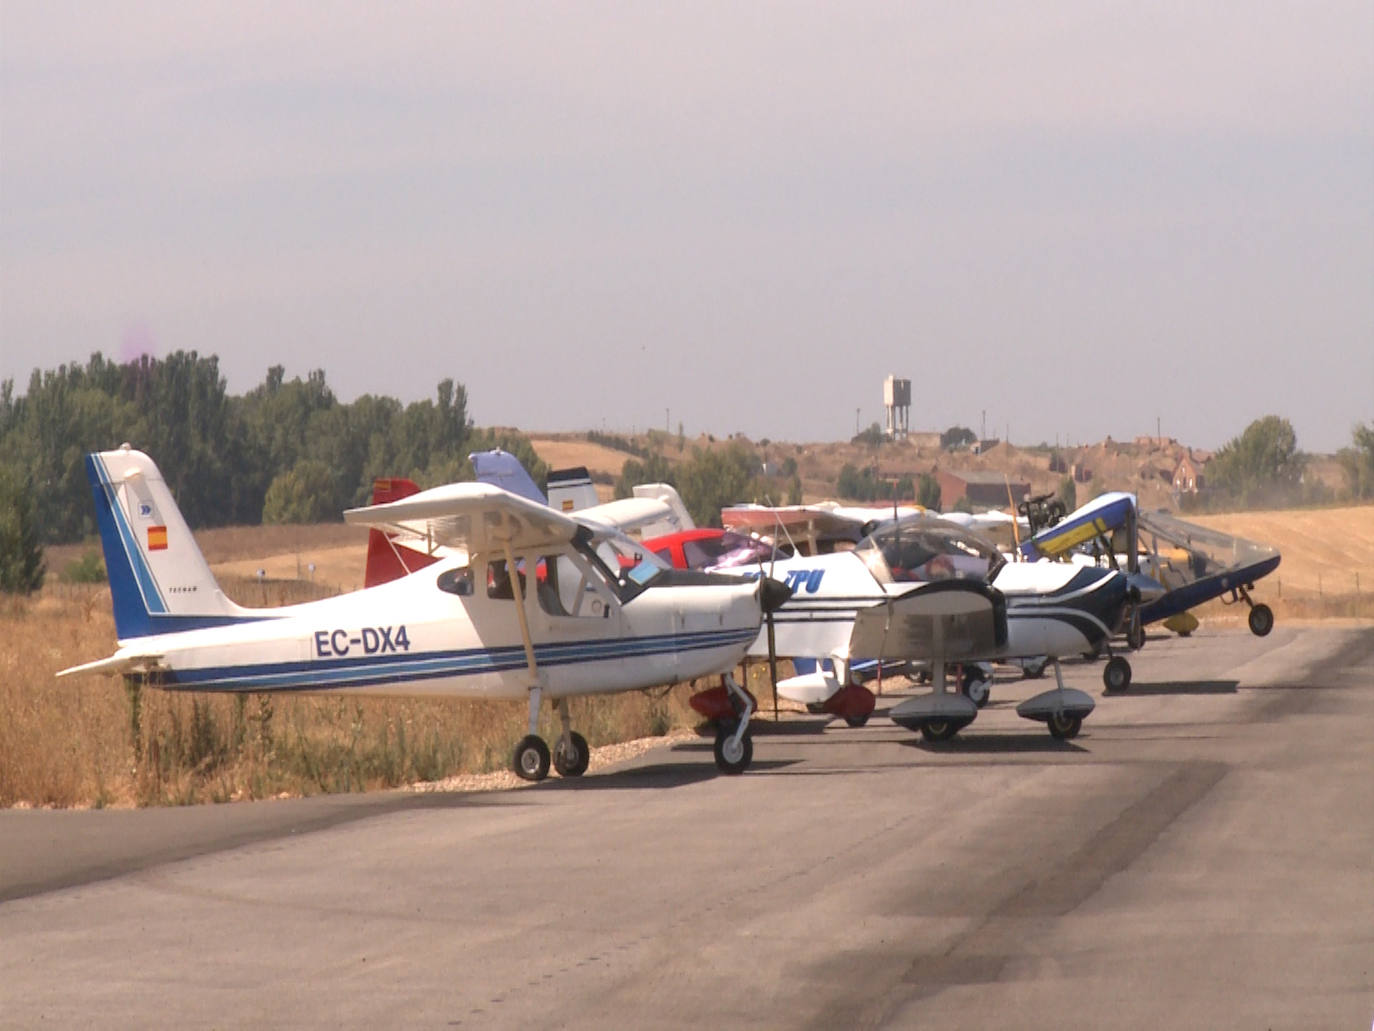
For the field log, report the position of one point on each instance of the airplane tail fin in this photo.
(387, 559)
(503, 469)
(571, 490)
(159, 580)
(681, 519)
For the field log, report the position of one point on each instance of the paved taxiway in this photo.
(1201, 856)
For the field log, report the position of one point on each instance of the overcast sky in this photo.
(1077, 217)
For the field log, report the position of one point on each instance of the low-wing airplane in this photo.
(921, 588)
(1192, 563)
(604, 616)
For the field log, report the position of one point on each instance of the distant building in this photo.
(1080, 472)
(1188, 478)
(987, 489)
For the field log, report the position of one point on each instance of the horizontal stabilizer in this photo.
(115, 665)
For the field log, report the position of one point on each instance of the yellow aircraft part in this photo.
(1072, 538)
(1181, 623)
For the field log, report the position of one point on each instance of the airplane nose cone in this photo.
(773, 594)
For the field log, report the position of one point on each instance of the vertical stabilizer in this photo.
(387, 558)
(571, 490)
(502, 469)
(159, 580)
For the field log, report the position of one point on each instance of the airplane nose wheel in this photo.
(532, 758)
(1261, 620)
(570, 759)
(1117, 674)
(733, 755)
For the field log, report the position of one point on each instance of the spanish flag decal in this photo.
(157, 538)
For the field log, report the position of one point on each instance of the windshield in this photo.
(921, 548)
(726, 551)
(625, 562)
(1185, 551)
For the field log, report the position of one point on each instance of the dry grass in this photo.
(92, 742)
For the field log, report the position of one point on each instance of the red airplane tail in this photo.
(387, 560)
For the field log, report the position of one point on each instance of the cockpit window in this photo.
(927, 549)
(456, 581)
(726, 551)
(628, 566)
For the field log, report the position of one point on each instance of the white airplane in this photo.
(922, 588)
(586, 612)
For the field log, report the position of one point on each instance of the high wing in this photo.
(805, 526)
(1100, 516)
(628, 515)
(473, 517)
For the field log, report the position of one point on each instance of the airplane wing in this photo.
(1099, 516)
(944, 620)
(476, 517)
(628, 515)
(809, 524)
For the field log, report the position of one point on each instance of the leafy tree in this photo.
(794, 490)
(654, 469)
(873, 435)
(21, 553)
(712, 479)
(957, 437)
(303, 494)
(928, 492)
(1358, 462)
(1262, 461)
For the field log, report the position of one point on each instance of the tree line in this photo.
(286, 451)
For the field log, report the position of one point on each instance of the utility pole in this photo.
(856, 422)
(983, 434)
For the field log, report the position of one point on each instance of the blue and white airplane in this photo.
(528, 603)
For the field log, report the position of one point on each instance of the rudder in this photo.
(159, 580)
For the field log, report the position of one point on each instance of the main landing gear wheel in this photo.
(1135, 636)
(1034, 670)
(1063, 726)
(1261, 620)
(1117, 674)
(976, 688)
(731, 756)
(532, 758)
(571, 761)
(938, 730)
(857, 721)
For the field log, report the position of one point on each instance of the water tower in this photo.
(897, 401)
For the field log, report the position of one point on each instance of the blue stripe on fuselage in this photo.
(372, 670)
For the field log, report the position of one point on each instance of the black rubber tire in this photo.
(572, 765)
(857, 721)
(531, 759)
(1116, 675)
(936, 731)
(1063, 727)
(727, 762)
(973, 687)
(1034, 671)
(815, 708)
(1261, 620)
(1135, 636)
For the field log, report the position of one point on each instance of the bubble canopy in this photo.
(919, 548)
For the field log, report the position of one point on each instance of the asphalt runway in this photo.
(1202, 855)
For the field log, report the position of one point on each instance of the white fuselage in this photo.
(412, 637)
(1053, 608)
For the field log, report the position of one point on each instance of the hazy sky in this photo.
(1075, 216)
